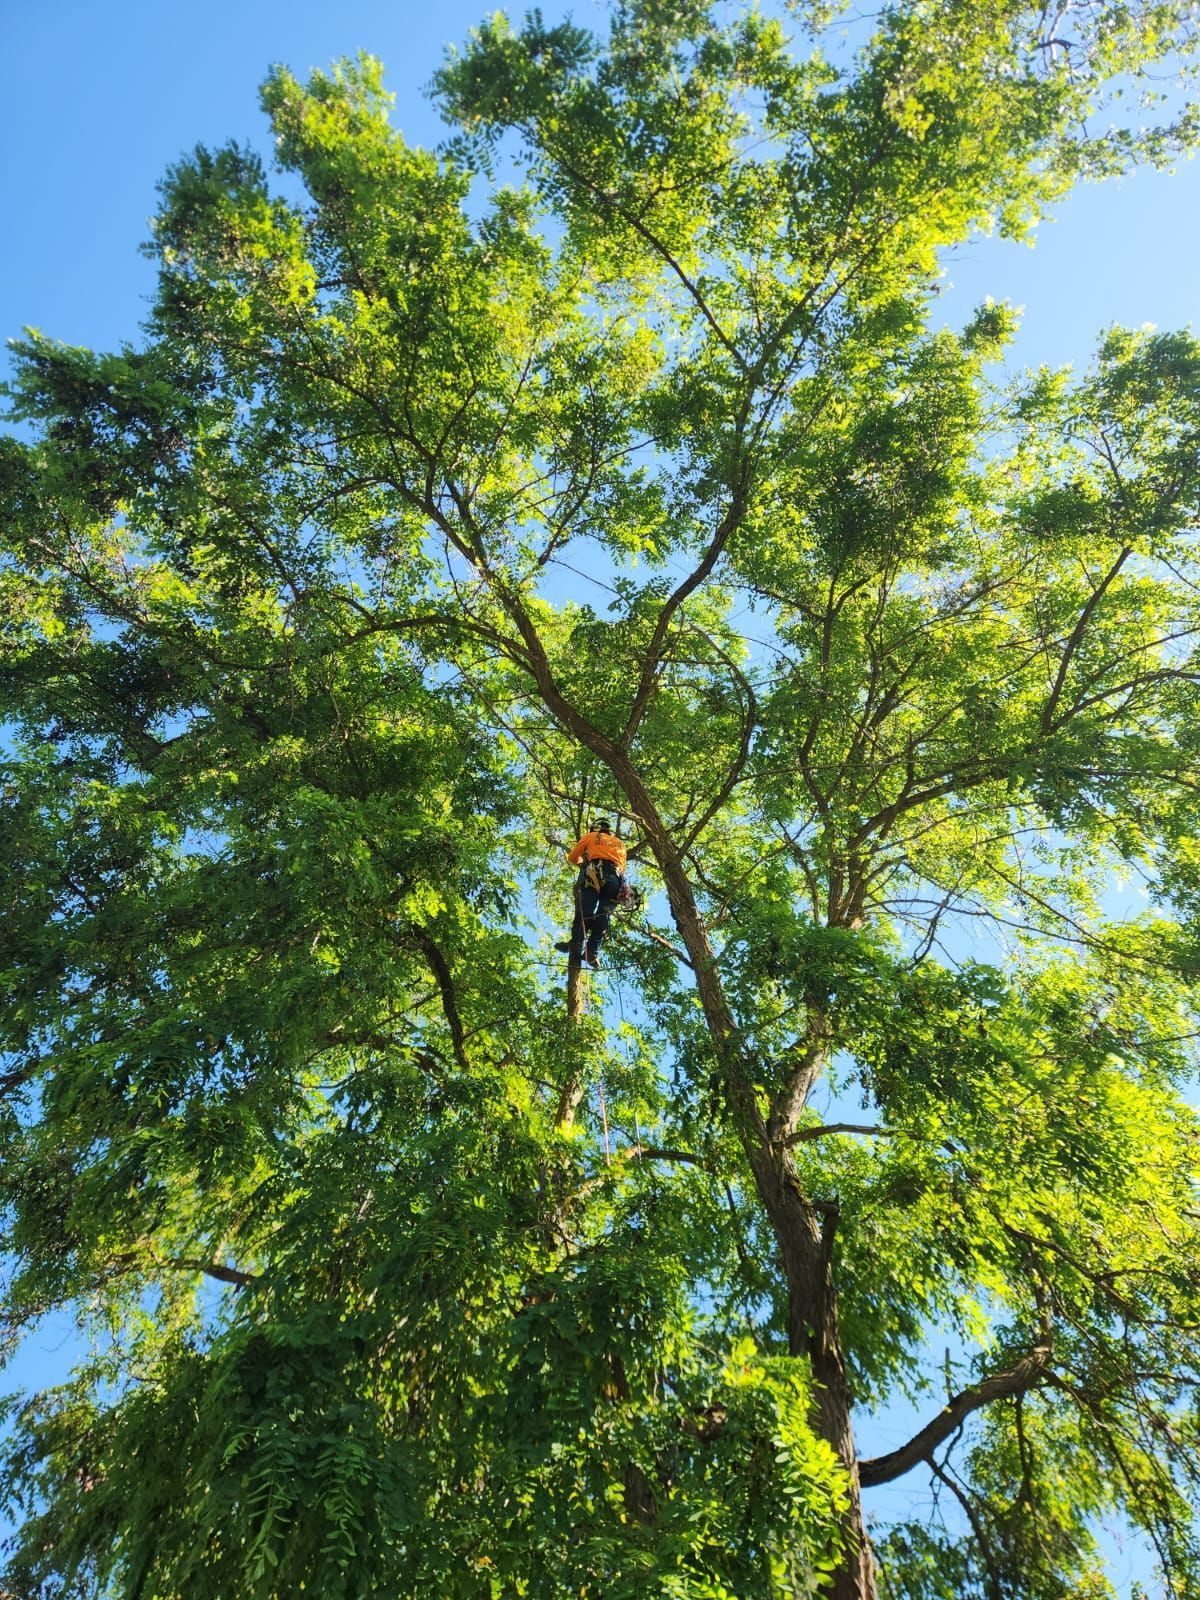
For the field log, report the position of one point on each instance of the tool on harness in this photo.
(629, 898)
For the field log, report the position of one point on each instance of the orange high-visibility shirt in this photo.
(599, 847)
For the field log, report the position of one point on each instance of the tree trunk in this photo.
(802, 1242)
(805, 1238)
(574, 991)
(803, 1234)
(572, 1090)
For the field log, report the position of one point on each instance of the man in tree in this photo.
(385, 1298)
(601, 858)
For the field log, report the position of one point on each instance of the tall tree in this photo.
(401, 1278)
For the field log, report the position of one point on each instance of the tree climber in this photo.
(600, 857)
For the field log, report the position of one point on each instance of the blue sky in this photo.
(99, 100)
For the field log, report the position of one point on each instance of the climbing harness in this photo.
(629, 898)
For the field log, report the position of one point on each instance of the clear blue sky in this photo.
(98, 100)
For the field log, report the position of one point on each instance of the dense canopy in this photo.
(610, 460)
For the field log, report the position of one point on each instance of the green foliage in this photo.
(398, 1279)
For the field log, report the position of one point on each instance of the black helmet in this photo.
(602, 825)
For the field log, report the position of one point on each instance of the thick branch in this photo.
(646, 1152)
(804, 1067)
(1025, 1374)
(801, 1134)
(440, 968)
(213, 1269)
(210, 1269)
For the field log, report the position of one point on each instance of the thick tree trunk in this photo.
(805, 1238)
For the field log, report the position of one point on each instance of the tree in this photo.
(402, 1279)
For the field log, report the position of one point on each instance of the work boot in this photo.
(592, 958)
(564, 945)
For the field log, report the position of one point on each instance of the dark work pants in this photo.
(593, 907)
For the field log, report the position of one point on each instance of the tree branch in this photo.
(440, 968)
(653, 656)
(737, 767)
(212, 1269)
(647, 1152)
(1076, 638)
(657, 938)
(836, 1127)
(985, 1550)
(1025, 1374)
